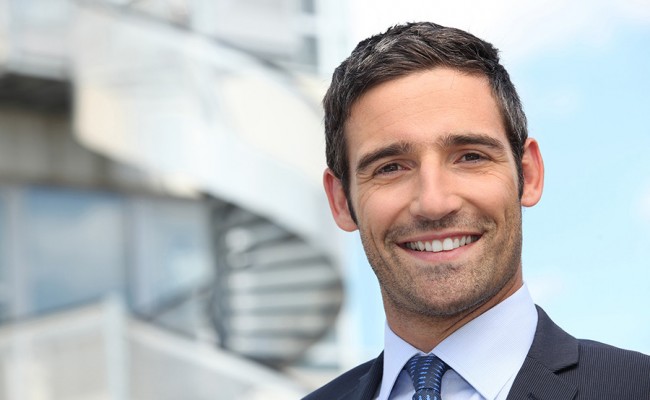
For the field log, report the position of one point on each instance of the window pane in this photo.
(308, 6)
(74, 246)
(173, 256)
(5, 293)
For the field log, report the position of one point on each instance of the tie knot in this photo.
(426, 373)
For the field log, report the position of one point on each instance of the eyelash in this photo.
(476, 157)
(395, 167)
(388, 169)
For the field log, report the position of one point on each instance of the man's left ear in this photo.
(533, 170)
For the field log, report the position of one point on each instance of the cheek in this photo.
(493, 191)
(378, 207)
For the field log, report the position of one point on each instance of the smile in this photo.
(445, 244)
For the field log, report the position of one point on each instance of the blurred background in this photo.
(163, 231)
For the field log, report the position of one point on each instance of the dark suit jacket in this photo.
(557, 367)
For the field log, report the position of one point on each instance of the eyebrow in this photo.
(447, 141)
(471, 139)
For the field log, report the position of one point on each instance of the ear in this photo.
(533, 170)
(338, 202)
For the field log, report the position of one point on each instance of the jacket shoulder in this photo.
(561, 366)
(608, 369)
(341, 385)
(605, 353)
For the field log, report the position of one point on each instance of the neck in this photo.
(425, 332)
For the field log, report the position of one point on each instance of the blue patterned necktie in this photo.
(426, 373)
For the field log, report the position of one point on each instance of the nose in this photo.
(436, 194)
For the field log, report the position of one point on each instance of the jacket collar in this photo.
(368, 383)
(552, 351)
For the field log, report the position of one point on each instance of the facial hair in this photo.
(447, 289)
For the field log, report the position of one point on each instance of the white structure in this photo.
(168, 153)
(99, 352)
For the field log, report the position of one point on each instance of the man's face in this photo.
(433, 183)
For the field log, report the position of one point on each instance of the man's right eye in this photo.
(388, 168)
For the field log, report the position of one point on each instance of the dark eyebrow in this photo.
(471, 139)
(388, 151)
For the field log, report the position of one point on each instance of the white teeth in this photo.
(436, 246)
(444, 245)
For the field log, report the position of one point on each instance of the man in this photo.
(429, 158)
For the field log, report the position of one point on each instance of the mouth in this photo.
(444, 244)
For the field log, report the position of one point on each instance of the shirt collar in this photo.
(396, 353)
(496, 341)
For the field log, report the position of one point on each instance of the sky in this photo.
(581, 69)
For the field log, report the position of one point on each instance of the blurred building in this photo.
(163, 234)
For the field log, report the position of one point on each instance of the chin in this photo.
(449, 307)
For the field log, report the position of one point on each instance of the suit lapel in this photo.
(552, 351)
(368, 383)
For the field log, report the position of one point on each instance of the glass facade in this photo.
(5, 292)
(172, 251)
(62, 247)
(173, 270)
(74, 246)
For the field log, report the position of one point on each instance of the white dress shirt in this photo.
(485, 354)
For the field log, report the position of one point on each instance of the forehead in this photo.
(420, 108)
